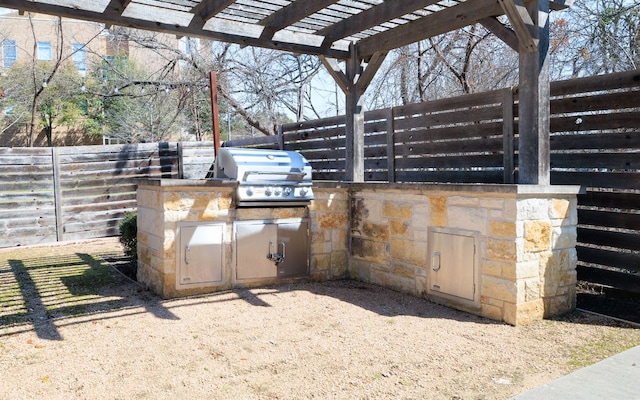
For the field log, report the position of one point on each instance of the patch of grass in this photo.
(597, 350)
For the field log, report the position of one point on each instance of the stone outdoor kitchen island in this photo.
(506, 252)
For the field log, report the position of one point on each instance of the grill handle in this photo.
(276, 257)
(298, 175)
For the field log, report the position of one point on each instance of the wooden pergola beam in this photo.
(333, 68)
(206, 10)
(522, 23)
(179, 27)
(371, 17)
(291, 14)
(502, 32)
(369, 72)
(443, 21)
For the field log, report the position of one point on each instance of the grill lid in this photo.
(266, 177)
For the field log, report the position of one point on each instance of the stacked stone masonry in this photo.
(379, 233)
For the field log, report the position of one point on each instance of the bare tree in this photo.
(596, 37)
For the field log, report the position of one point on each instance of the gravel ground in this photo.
(333, 340)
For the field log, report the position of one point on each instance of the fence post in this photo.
(507, 136)
(391, 153)
(280, 138)
(180, 160)
(57, 194)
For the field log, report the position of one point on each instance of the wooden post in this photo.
(180, 148)
(57, 195)
(280, 138)
(391, 142)
(354, 129)
(354, 82)
(533, 95)
(213, 87)
(507, 136)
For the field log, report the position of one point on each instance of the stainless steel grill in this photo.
(266, 178)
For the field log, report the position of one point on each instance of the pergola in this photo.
(360, 32)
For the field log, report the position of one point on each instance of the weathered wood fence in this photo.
(595, 142)
(70, 193)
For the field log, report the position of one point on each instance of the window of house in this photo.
(44, 51)
(8, 53)
(80, 57)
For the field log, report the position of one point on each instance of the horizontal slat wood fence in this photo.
(70, 193)
(595, 142)
(594, 138)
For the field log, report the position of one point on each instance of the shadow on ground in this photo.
(41, 290)
(37, 292)
(611, 303)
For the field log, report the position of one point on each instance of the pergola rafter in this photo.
(360, 32)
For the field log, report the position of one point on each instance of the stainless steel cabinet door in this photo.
(200, 255)
(452, 266)
(254, 242)
(293, 240)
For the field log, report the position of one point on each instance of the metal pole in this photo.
(214, 112)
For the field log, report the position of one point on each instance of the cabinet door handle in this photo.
(186, 254)
(433, 261)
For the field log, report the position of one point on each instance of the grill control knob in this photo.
(277, 191)
(267, 192)
(250, 191)
(303, 192)
(286, 191)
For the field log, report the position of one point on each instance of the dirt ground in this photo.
(72, 327)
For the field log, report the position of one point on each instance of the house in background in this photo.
(86, 44)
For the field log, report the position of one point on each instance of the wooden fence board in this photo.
(599, 102)
(98, 215)
(599, 140)
(99, 200)
(101, 191)
(619, 280)
(597, 179)
(595, 122)
(485, 161)
(453, 148)
(27, 238)
(28, 219)
(621, 80)
(609, 219)
(78, 209)
(604, 238)
(616, 200)
(601, 160)
(450, 176)
(470, 131)
(87, 158)
(610, 258)
(460, 119)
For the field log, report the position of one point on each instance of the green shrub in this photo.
(128, 235)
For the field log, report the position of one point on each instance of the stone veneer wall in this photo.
(378, 233)
(163, 204)
(329, 214)
(526, 251)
